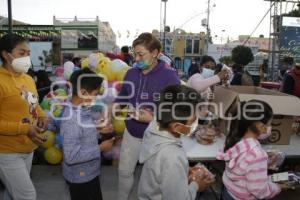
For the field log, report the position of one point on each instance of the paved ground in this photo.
(51, 186)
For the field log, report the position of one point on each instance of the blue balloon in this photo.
(59, 140)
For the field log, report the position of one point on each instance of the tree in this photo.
(48, 58)
(226, 60)
(294, 13)
(242, 55)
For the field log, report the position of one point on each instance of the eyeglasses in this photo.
(139, 54)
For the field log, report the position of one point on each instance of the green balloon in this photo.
(45, 105)
(61, 92)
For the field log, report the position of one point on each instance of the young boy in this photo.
(166, 169)
(81, 164)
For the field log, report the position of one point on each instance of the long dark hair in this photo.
(251, 112)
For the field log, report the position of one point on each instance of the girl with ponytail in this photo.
(245, 176)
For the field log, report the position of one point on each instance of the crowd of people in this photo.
(152, 134)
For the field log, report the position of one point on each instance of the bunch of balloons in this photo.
(52, 104)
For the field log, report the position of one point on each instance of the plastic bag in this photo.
(275, 159)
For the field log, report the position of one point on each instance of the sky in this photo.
(228, 18)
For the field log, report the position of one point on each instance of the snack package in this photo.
(275, 159)
(200, 170)
(206, 134)
(289, 179)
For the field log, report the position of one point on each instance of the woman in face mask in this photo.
(203, 80)
(21, 118)
(147, 77)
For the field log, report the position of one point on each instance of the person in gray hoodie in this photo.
(165, 173)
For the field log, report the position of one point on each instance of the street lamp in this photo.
(9, 16)
(165, 18)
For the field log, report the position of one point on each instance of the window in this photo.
(196, 46)
(188, 46)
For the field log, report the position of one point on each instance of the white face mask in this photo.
(193, 127)
(207, 73)
(265, 135)
(21, 65)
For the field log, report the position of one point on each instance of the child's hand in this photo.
(203, 182)
(109, 128)
(202, 177)
(285, 186)
(107, 145)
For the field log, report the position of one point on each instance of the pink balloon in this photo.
(59, 71)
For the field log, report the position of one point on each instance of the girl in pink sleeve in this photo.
(245, 176)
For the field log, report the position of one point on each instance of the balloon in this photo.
(85, 63)
(61, 92)
(45, 104)
(93, 60)
(53, 155)
(59, 140)
(59, 71)
(57, 110)
(182, 82)
(119, 126)
(118, 87)
(121, 74)
(69, 66)
(50, 139)
(101, 91)
(117, 65)
(110, 95)
(104, 68)
(67, 74)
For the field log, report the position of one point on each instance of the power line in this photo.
(258, 24)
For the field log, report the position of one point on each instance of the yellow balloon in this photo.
(100, 56)
(124, 112)
(57, 110)
(50, 139)
(104, 67)
(119, 126)
(53, 155)
(182, 82)
(85, 63)
(101, 91)
(121, 74)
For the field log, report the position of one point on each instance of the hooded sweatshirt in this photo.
(165, 171)
(245, 176)
(18, 109)
(80, 145)
(144, 90)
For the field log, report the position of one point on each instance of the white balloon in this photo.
(110, 95)
(118, 65)
(69, 66)
(93, 60)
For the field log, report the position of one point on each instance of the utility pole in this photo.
(165, 19)
(9, 17)
(207, 26)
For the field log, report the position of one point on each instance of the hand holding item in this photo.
(35, 136)
(107, 145)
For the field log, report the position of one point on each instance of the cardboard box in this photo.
(284, 106)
